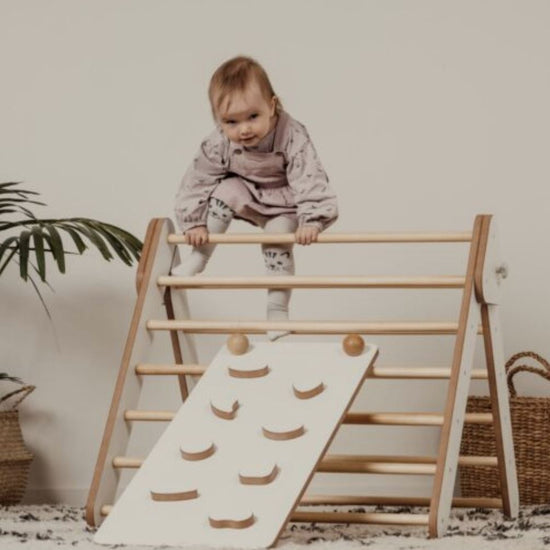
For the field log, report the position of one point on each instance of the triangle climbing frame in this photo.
(161, 307)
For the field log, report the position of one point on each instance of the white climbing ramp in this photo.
(270, 428)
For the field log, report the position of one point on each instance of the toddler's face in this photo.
(247, 117)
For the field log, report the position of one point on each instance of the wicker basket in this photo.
(15, 459)
(531, 433)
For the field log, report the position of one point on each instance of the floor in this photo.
(60, 527)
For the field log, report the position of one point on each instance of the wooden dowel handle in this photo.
(424, 282)
(285, 238)
(308, 327)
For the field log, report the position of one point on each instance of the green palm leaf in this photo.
(44, 236)
(11, 244)
(56, 246)
(77, 239)
(38, 241)
(116, 244)
(94, 238)
(24, 239)
(12, 200)
(4, 189)
(134, 243)
(5, 376)
(16, 205)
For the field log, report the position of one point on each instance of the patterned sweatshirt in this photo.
(282, 175)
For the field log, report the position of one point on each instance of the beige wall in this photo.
(424, 114)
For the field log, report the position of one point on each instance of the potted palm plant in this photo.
(33, 243)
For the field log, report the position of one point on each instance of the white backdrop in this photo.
(424, 113)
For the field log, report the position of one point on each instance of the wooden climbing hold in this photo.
(354, 344)
(237, 344)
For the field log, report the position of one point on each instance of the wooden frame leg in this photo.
(176, 348)
(156, 261)
(457, 395)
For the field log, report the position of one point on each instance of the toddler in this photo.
(258, 165)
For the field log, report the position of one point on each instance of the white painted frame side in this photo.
(488, 290)
(500, 406)
(156, 261)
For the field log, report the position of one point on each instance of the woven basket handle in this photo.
(542, 370)
(24, 391)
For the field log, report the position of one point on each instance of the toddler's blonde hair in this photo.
(234, 76)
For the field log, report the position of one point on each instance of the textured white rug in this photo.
(58, 527)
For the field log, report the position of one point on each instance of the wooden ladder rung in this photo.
(379, 518)
(407, 459)
(252, 238)
(307, 327)
(459, 502)
(421, 465)
(375, 467)
(140, 415)
(388, 419)
(127, 462)
(419, 373)
(342, 517)
(406, 373)
(167, 369)
(377, 500)
(442, 281)
(411, 419)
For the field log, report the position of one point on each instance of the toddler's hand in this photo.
(197, 235)
(306, 234)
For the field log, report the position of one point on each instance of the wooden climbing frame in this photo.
(162, 306)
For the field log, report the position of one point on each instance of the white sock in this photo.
(277, 310)
(279, 260)
(218, 220)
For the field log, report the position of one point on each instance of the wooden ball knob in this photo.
(237, 344)
(354, 344)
